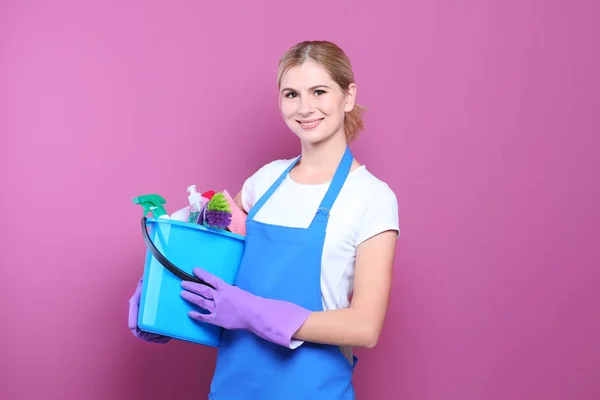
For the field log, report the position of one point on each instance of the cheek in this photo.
(332, 105)
(287, 108)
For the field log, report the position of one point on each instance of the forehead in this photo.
(309, 74)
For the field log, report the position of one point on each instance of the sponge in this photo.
(238, 217)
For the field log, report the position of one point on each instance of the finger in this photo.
(135, 299)
(200, 317)
(159, 339)
(198, 288)
(134, 305)
(200, 301)
(133, 316)
(207, 277)
(137, 294)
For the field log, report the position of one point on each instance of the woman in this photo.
(321, 229)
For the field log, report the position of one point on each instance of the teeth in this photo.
(309, 123)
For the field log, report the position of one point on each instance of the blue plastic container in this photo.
(174, 249)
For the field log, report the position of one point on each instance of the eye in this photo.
(319, 92)
(291, 95)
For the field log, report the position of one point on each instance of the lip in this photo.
(313, 123)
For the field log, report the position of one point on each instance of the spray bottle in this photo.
(195, 200)
(152, 203)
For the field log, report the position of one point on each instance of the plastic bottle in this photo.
(195, 200)
(181, 215)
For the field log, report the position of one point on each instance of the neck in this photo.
(324, 157)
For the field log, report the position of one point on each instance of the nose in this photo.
(306, 106)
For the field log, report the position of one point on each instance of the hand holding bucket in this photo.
(174, 249)
(134, 307)
(230, 307)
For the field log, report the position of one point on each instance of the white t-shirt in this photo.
(364, 207)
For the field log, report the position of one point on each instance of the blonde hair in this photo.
(333, 59)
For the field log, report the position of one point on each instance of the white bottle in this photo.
(181, 215)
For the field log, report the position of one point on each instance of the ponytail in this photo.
(353, 122)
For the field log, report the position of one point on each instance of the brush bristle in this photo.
(218, 219)
(218, 203)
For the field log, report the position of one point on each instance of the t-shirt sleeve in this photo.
(248, 190)
(381, 215)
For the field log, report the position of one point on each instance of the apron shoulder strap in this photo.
(263, 199)
(322, 215)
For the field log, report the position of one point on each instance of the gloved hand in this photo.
(233, 308)
(134, 307)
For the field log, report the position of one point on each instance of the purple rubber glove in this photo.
(233, 308)
(134, 307)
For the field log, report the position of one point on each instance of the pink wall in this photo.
(481, 119)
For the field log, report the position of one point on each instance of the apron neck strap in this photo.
(263, 199)
(322, 214)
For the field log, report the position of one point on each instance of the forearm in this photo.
(342, 327)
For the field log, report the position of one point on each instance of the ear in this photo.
(350, 97)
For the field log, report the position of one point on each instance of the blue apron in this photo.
(284, 263)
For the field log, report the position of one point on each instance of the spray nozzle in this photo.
(151, 203)
(194, 197)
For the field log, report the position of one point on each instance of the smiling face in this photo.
(312, 104)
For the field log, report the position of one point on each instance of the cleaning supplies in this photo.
(211, 209)
(152, 203)
(196, 204)
(238, 217)
(218, 212)
(202, 214)
(184, 213)
(208, 194)
(181, 215)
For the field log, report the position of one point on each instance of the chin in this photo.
(312, 137)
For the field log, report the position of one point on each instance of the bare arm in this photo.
(360, 324)
(238, 202)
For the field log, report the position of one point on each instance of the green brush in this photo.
(218, 212)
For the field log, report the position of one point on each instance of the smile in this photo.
(310, 123)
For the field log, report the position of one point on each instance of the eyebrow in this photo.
(311, 88)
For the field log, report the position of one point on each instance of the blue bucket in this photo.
(174, 249)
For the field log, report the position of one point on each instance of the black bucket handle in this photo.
(166, 263)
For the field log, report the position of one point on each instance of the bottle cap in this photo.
(194, 196)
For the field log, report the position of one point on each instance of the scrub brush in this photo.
(208, 194)
(217, 212)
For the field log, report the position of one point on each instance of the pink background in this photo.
(483, 119)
